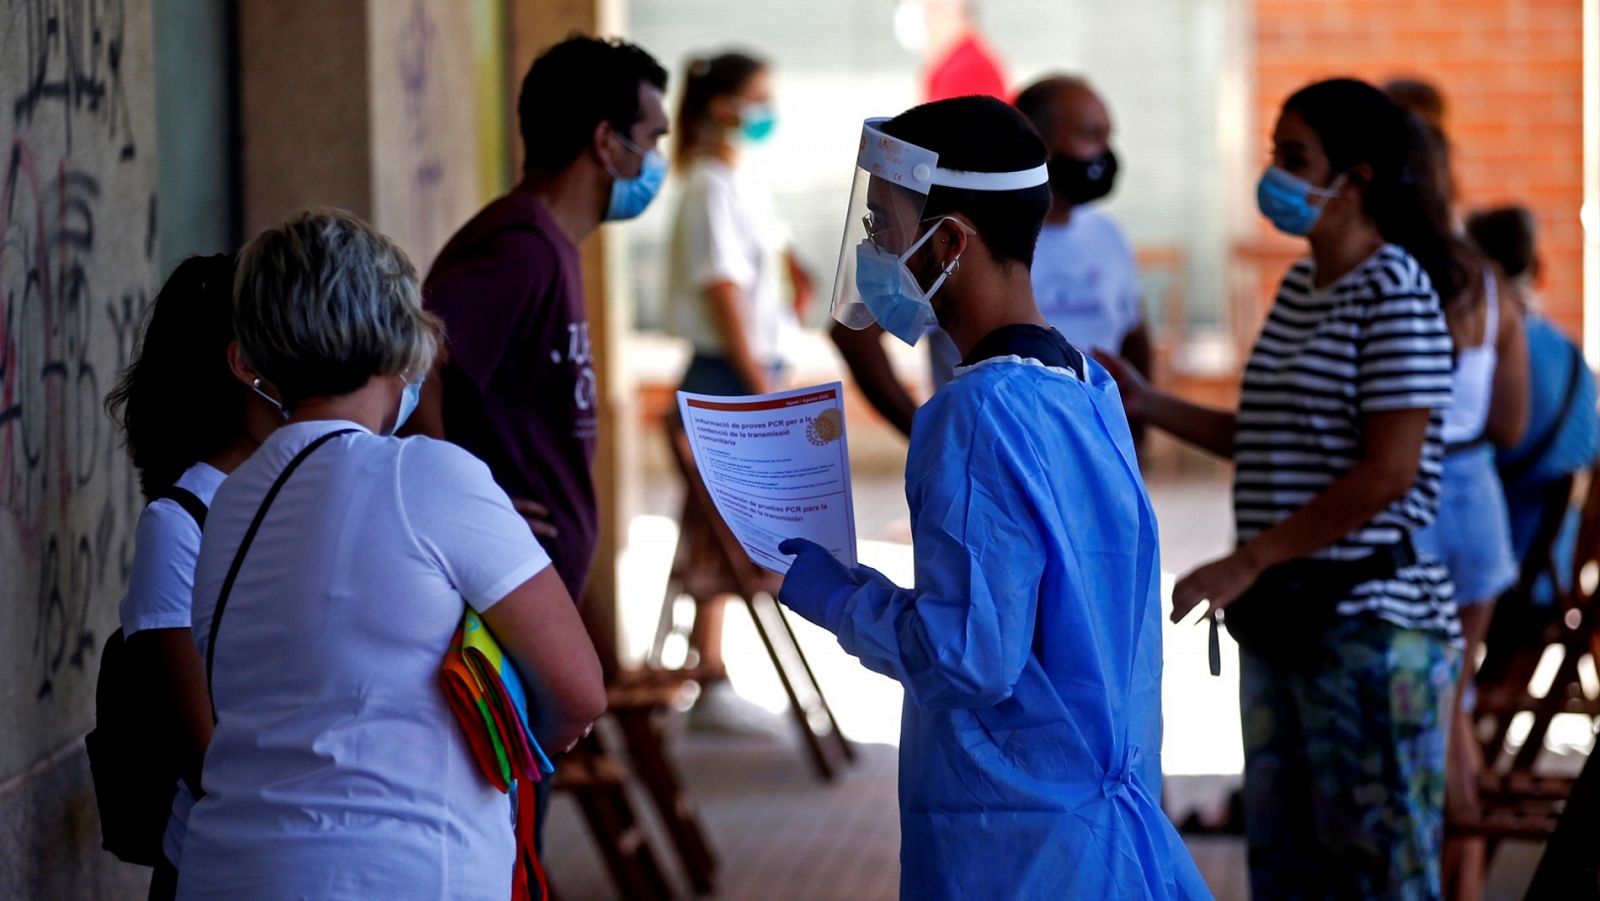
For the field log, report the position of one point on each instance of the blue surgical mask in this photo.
(891, 292)
(409, 398)
(757, 122)
(630, 196)
(1292, 204)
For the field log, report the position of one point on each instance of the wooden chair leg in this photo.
(1544, 713)
(640, 729)
(597, 785)
(801, 708)
(845, 747)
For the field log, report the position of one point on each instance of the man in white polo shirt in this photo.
(1084, 274)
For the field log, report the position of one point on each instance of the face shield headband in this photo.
(873, 283)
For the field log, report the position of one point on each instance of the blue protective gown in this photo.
(1030, 650)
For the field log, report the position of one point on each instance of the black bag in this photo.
(1283, 617)
(135, 770)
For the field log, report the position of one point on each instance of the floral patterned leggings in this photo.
(1344, 765)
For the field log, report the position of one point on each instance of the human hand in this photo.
(817, 583)
(1131, 383)
(1220, 582)
(537, 516)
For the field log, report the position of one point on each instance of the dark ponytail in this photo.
(1506, 235)
(708, 78)
(1357, 123)
(178, 403)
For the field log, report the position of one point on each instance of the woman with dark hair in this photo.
(727, 265)
(1348, 638)
(1472, 534)
(188, 422)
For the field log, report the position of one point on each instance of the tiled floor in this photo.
(781, 834)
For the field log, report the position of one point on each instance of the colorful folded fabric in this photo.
(489, 701)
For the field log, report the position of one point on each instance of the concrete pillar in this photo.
(78, 250)
(371, 106)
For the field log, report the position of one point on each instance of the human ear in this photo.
(239, 366)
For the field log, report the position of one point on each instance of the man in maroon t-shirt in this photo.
(517, 386)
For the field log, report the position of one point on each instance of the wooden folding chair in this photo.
(595, 780)
(710, 563)
(1575, 633)
(640, 701)
(1516, 802)
(1520, 631)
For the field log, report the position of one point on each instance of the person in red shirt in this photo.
(959, 63)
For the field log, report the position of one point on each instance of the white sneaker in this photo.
(720, 709)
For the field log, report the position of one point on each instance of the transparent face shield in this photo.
(892, 181)
(887, 223)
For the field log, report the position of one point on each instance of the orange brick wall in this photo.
(1511, 71)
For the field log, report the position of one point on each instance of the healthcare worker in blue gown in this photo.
(1030, 648)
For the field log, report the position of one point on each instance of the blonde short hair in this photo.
(323, 302)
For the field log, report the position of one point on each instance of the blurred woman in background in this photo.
(728, 265)
(337, 563)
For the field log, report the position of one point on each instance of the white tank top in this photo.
(1473, 381)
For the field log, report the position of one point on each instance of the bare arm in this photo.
(1204, 427)
(805, 288)
(1136, 350)
(1393, 441)
(1508, 405)
(170, 665)
(539, 626)
(722, 302)
(864, 354)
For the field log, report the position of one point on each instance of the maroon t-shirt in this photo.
(519, 383)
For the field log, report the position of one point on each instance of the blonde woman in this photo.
(325, 601)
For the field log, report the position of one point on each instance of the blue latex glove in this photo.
(817, 584)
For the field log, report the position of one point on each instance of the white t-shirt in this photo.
(727, 230)
(337, 769)
(1086, 282)
(166, 544)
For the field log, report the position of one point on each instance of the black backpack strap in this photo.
(190, 503)
(244, 546)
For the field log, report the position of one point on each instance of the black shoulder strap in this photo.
(186, 499)
(1527, 461)
(244, 546)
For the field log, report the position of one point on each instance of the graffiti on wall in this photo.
(415, 66)
(77, 249)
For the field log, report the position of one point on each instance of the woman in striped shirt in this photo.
(1350, 654)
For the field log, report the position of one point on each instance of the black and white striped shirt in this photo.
(1373, 341)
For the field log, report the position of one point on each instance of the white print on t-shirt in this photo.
(1087, 282)
(585, 392)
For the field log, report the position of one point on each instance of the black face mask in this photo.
(1081, 181)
